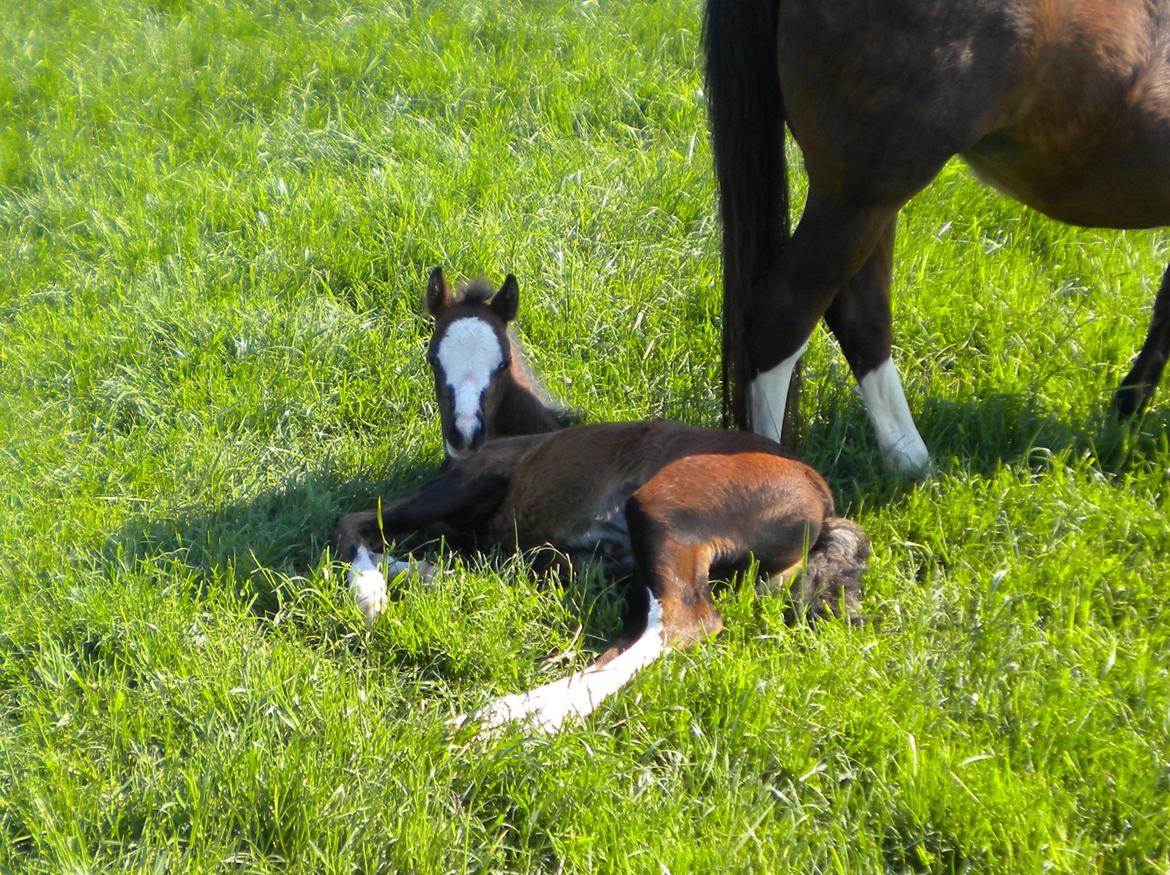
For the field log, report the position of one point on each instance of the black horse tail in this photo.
(830, 584)
(747, 136)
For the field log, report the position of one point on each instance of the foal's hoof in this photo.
(368, 588)
(368, 576)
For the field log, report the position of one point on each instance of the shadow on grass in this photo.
(978, 437)
(285, 531)
(1016, 430)
(269, 549)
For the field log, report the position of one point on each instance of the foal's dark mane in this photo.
(476, 291)
(531, 393)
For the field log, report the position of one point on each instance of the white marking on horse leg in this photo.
(368, 576)
(769, 395)
(547, 707)
(367, 585)
(902, 447)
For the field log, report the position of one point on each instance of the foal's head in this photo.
(471, 356)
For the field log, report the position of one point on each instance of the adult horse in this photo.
(1062, 105)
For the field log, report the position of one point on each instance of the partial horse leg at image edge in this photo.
(1138, 386)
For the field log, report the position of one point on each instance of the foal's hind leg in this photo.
(673, 562)
(1138, 386)
(859, 318)
(575, 697)
(672, 610)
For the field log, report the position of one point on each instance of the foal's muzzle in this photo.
(467, 436)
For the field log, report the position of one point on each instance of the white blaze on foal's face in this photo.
(469, 355)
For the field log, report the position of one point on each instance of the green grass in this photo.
(216, 220)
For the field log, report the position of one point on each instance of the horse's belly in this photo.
(1120, 186)
(1085, 135)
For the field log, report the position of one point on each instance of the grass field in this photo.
(216, 220)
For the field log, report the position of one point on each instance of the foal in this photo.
(664, 502)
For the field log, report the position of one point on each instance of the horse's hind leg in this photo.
(832, 242)
(859, 318)
(1138, 386)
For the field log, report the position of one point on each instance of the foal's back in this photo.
(563, 483)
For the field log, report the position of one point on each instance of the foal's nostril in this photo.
(469, 430)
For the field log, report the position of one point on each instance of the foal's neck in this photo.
(522, 412)
(526, 407)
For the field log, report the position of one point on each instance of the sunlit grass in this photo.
(216, 220)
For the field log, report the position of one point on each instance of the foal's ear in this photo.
(438, 292)
(506, 301)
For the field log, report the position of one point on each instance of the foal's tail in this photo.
(831, 582)
(747, 136)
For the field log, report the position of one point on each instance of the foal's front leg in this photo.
(451, 503)
(367, 576)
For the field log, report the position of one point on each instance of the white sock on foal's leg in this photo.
(902, 447)
(367, 585)
(769, 395)
(368, 576)
(547, 707)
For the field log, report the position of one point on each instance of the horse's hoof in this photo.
(909, 458)
(1129, 401)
